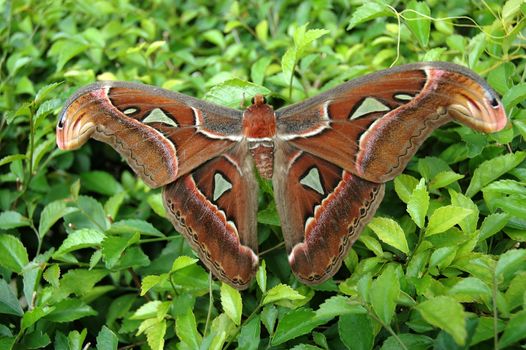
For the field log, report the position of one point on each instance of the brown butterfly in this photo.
(328, 157)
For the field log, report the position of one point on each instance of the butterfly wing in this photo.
(362, 134)
(215, 208)
(161, 134)
(189, 146)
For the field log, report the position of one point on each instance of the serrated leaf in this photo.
(469, 223)
(13, 253)
(181, 262)
(150, 310)
(515, 330)
(249, 336)
(52, 275)
(510, 262)
(417, 19)
(107, 340)
(294, 324)
(186, 329)
(133, 226)
(51, 213)
(281, 291)
(70, 310)
(368, 11)
(444, 218)
(269, 315)
(288, 62)
(361, 337)
(148, 282)
(390, 232)
(32, 316)
(492, 169)
(233, 92)
(261, 276)
(404, 186)
(44, 92)
(11, 158)
(80, 239)
(410, 341)
(100, 182)
(12, 219)
(471, 289)
(443, 179)
(231, 303)
(338, 305)
(514, 96)
(155, 333)
(8, 300)
(447, 314)
(114, 246)
(384, 294)
(418, 204)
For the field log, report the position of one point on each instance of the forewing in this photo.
(215, 208)
(373, 125)
(161, 134)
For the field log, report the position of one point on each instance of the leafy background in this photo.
(89, 260)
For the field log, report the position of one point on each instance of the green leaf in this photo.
(384, 293)
(8, 300)
(294, 324)
(417, 19)
(356, 331)
(279, 292)
(471, 289)
(155, 329)
(45, 91)
(410, 340)
(231, 303)
(513, 96)
(486, 329)
(444, 178)
(288, 62)
(509, 263)
(181, 262)
(447, 314)
(11, 158)
(114, 246)
(249, 336)
(418, 204)
(404, 186)
(233, 92)
(148, 282)
(32, 316)
(492, 169)
(259, 68)
(368, 11)
(338, 305)
(69, 310)
(390, 232)
(469, 223)
(444, 218)
(515, 330)
(107, 340)
(13, 219)
(13, 253)
(150, 309)
(65, 50)
(134, 226)
(80, 239)
(261, 276)
(186, 329)
(100, 182)
(51, 213)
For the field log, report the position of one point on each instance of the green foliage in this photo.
(87, 256)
